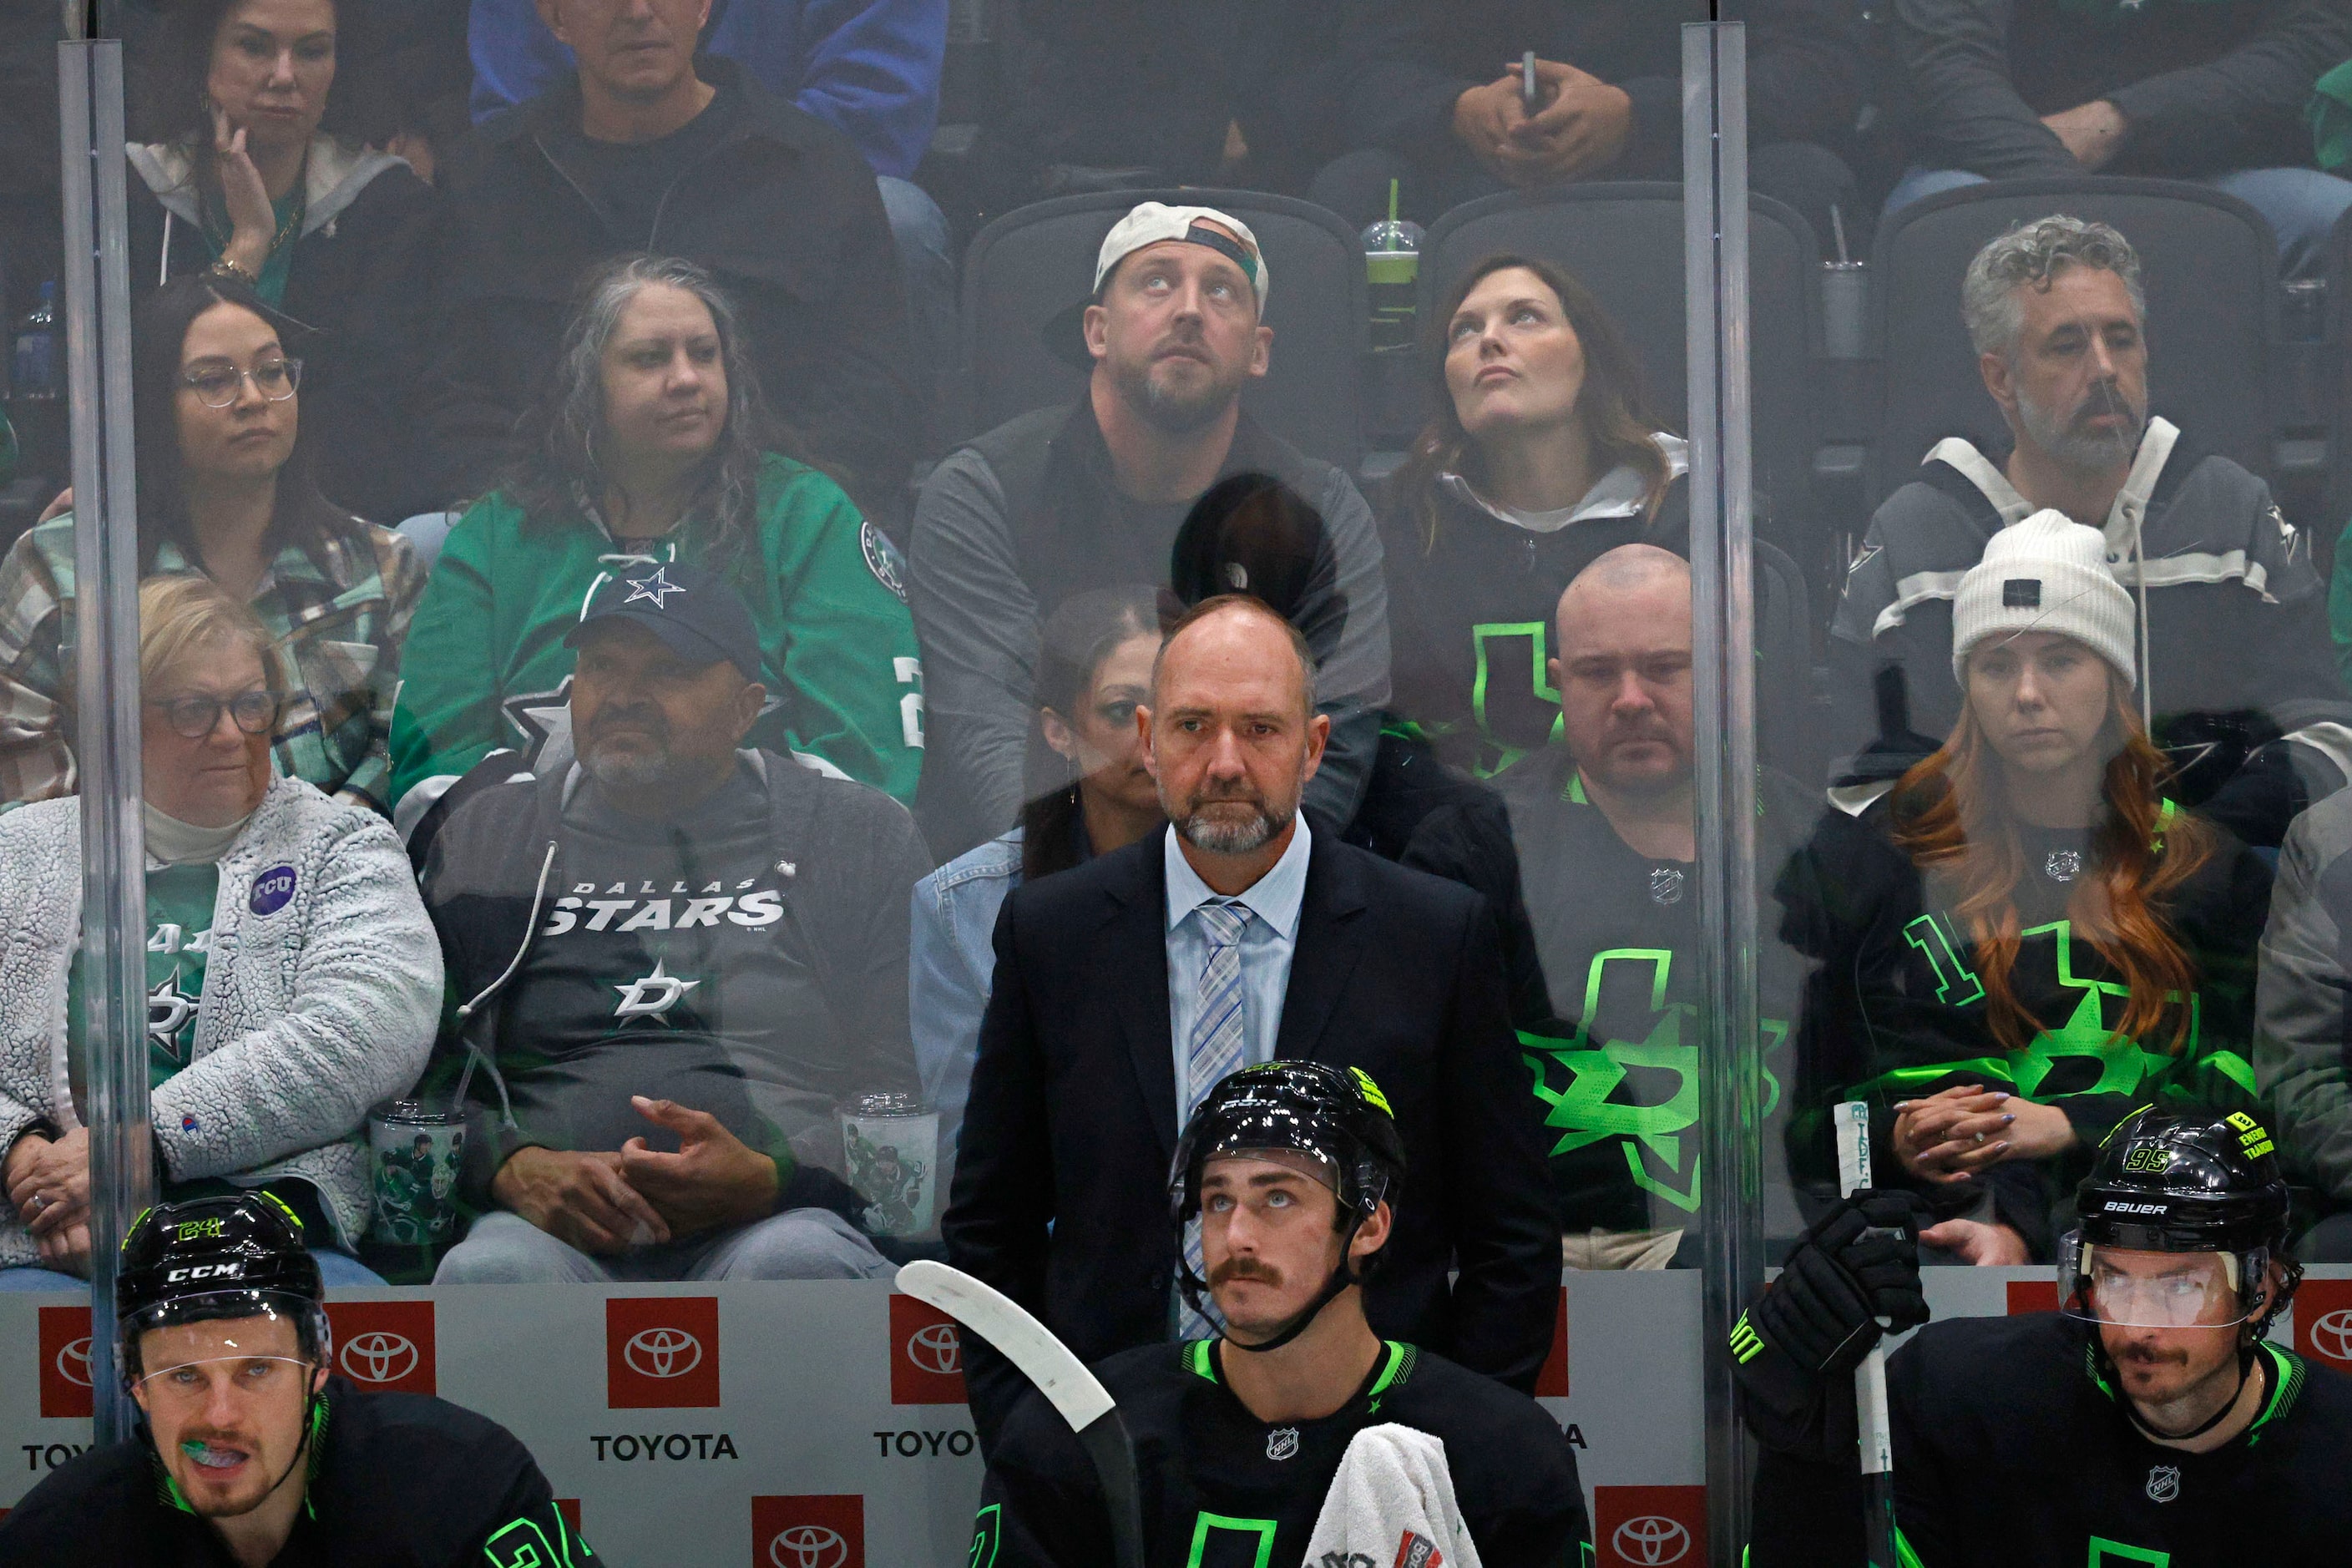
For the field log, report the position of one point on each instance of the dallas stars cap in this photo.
(698, 615)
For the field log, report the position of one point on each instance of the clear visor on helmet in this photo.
(257, 1344)
(2154, 1290)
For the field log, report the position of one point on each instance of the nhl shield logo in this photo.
(1666, 885)
(2164, 1483)
(1282, 1443)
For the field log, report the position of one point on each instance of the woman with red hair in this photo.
(2023, 940)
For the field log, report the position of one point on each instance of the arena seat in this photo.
(2210, 268)
(1029, 265)
(1624, 242)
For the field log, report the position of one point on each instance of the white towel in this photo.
(1391, 1506)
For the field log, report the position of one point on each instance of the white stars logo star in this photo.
(657, 588)
(651, 995)
(168, 1008)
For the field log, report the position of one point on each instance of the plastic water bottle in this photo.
(1393, 268)
(36, 367)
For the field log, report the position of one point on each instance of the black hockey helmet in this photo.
(1335, 1115)
(2184, 1181)
(210, 1258)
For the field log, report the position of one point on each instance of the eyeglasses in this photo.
(193, 718)
(216, 387)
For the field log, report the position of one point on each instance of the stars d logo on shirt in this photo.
(657, 588)
(651, 995)
(168, 1008)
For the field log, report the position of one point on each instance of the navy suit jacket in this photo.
(1061, 1189)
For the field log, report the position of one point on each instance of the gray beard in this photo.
(632, 773)
(2083, 449)
(1213, 838)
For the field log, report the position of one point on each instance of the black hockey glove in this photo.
(1801, 1340)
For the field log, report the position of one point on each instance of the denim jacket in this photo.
(950, 965)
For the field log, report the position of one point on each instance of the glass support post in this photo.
(1715, 190)
(106, 684)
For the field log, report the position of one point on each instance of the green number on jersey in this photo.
(1208, 1526)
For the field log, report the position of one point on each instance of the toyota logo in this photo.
(665, 1352)
(379, 1357)
(935, 1347)
(1652, 1540)
(73, 1362)
(2331, 1336)
(808, 1546)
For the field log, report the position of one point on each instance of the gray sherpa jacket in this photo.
(313, 1010)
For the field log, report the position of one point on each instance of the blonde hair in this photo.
(183, 616)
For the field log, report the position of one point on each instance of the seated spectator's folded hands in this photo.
(714, 1179)
(49, 1183)
(579, 1199)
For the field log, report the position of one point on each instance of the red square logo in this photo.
(2323, 1323)
(808, 1532)
(926, 1355)
(2033, 1295)
(661, 1353)
(1551, 1383)
(385, 1345)
(569, 1507)
(65, 1361)
(1650, 1527)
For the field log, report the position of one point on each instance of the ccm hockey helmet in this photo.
(210, 1258)
(2182, 1181)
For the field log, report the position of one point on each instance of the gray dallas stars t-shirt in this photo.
(673, 964)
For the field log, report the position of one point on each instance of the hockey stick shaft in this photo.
(1075, 1393)
(1870, 1378)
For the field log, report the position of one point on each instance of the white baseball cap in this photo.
(1153, 222)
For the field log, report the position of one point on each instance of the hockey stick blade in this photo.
(1075, 1393)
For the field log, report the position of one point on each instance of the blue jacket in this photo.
(868, 68)
(950, 961)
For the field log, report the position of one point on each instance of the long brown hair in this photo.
(1950, 815)
(1079, 637)
(1612, 404)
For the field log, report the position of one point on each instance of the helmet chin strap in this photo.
(2246, 1353)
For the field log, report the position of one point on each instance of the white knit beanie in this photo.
(2045, 573)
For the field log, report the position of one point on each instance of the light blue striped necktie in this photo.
(1215, 1050)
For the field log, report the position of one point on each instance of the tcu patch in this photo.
(882, 558)
(272, 891)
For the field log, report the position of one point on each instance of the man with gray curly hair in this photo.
(2231, 636)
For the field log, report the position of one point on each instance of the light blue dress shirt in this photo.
(1267, 943)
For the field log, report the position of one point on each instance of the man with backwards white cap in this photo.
(1067, 499)
(2022, 938)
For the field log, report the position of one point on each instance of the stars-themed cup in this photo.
(413, 1152)
(890, 1144)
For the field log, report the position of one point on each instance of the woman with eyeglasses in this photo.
(292, 977)
(225, 489)
(253, 166)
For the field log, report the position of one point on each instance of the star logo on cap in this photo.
(657, 588)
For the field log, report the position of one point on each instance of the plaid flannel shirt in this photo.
(338, 632)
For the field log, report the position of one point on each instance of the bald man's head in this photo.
(1623, 672)
(1232, 735)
